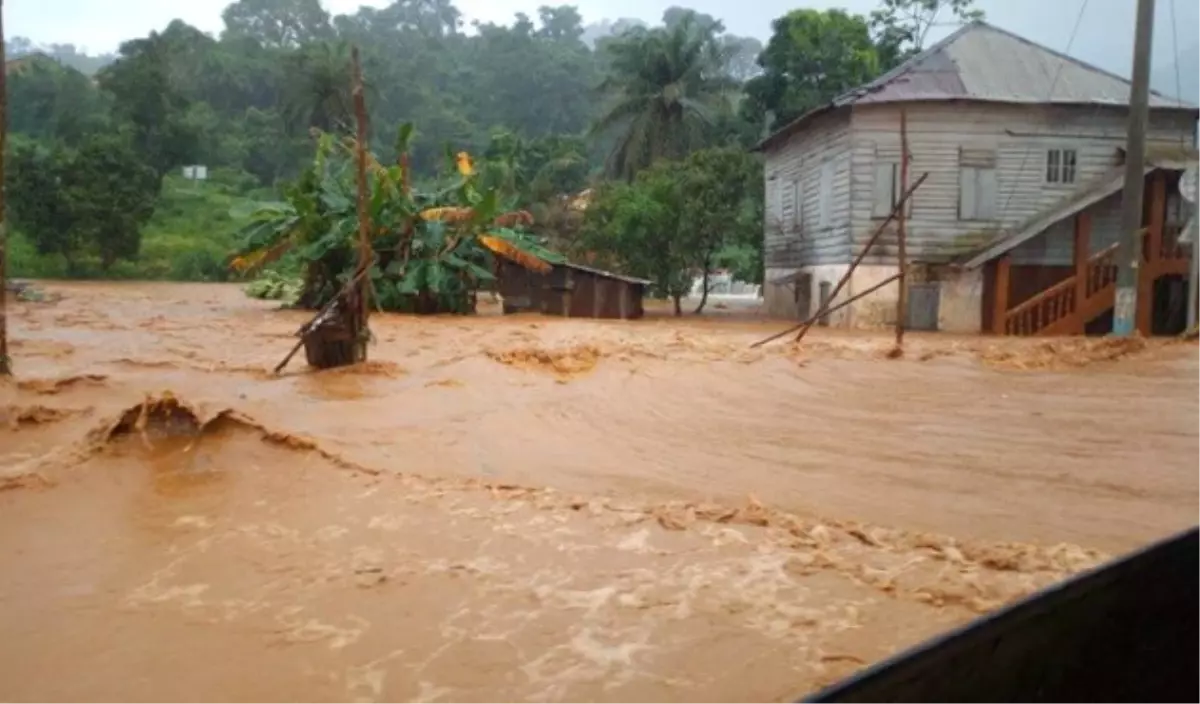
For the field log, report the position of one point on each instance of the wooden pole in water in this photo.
(360, 292)
(861, 255)
(5, 362)
(901, 237)
(828, 305)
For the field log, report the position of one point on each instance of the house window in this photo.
(976, 184)
(825, 198)
(1060, 166)
(887, 190)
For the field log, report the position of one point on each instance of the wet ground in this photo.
(517, 508)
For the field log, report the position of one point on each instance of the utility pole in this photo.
(1129, 255)
(1194, 234)
(5, 362)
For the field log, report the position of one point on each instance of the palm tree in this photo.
(666, 85)
(319, 93)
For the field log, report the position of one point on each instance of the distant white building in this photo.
(196, 173)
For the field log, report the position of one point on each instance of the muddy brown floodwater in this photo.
(518, 508)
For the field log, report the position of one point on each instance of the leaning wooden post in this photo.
(360, 292)
(879, 230)
(5, 362)
(901, 237)
(828, 305)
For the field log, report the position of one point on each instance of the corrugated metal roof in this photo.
(606, 274)
(985, 63)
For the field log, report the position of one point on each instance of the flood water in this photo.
(519, 508)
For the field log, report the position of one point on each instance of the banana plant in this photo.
(432, 250)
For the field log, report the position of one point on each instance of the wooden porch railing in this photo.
(1172, 256)
(1068, 306)
(1058, 310)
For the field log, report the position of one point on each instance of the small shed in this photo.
(571, 290)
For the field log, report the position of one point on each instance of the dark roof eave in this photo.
(790, 128)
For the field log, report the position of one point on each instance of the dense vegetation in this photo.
(653, 124)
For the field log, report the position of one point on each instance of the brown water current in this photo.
(529, 509)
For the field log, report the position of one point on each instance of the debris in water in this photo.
(1068, 352)
(567, 361)
(49, 387)
(15, 417)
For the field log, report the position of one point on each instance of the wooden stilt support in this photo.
(1082, 250)
(1000, 294)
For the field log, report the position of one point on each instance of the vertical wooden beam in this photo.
(5, 362)
(1148, 268)
(1000, 293)
(902, 237)
(1082, 250)
(568, 288)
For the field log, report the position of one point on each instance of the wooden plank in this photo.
(1082, 252)
(1000, 289)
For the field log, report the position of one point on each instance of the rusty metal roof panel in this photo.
(606, 274)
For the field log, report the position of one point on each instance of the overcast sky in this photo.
(1105, 37)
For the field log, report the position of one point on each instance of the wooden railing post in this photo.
(1000, 294)
(1083, 246)
(1148, 268)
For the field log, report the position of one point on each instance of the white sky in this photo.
(1105, 37)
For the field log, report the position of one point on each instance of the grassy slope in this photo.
(188, 238)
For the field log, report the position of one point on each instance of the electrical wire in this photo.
(1178, 80)
(1049, 98)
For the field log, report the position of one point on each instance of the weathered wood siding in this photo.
(807, 220)
(1055, 246)
(1018, 135)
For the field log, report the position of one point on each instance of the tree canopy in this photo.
(554, 107)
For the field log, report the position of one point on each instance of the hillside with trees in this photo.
(653, 123)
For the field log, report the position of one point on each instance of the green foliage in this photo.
(187, 239)
(665, 87)
(50, 102)
(87, 201)
(276, 286)
(523, 95)
(901, 26)
(431, 250)
(677, 220)
(813, 56)
(277, 23)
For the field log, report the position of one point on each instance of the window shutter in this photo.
(966, 192)
(826, 198)
(985, 194)
(884, 190)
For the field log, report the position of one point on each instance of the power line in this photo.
(1049, 99)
